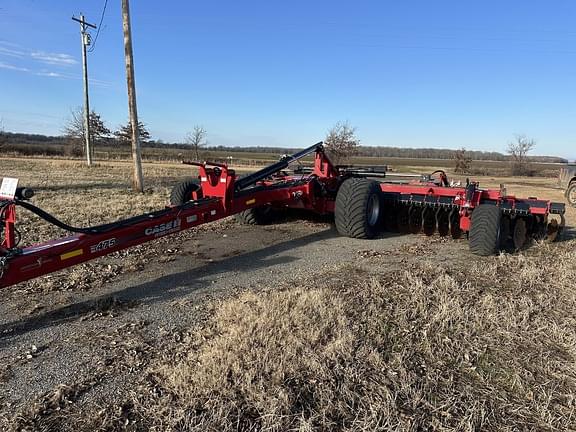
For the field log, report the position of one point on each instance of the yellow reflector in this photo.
(71, 254)
(252, 201)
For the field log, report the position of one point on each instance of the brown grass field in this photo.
(425, 348)
(434, 344)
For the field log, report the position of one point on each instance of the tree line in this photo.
(48, 145)
(75, 132)
(340, 140)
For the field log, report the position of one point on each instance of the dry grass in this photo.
(84, 196)
(489, 347)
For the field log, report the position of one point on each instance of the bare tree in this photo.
(341, 142)
(462, 161)
(74, 130)
(196, 139)
(518, 150)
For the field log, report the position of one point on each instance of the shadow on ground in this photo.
(568, 233)
(168, 287)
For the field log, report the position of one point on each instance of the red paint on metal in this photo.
(316, 192)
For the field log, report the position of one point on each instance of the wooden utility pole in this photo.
(137, 180)
(85, 37)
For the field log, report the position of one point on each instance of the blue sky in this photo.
(410, 74)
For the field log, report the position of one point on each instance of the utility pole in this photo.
(137, 180)
(85, 37)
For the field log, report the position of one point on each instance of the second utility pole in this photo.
(85, 42)
(137, 180)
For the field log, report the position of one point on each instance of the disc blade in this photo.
(519, 236)
(443, 222)
(455, 229)
(428, 221)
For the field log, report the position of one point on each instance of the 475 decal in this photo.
(103, 245)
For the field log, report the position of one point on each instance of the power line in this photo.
(99, 26)
(85, 37)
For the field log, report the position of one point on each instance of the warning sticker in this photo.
(8, 188)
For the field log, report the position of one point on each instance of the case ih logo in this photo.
(103, 245)
(163, 229)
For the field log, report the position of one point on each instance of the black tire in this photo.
(182, 192)
(262, 215)
(485, 231)
(571, 194)
(358, 208)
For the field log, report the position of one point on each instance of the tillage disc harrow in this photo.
(491, 219)
(364, 201)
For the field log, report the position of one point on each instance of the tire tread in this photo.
(351, 204)
(485, 230)
(180, 193)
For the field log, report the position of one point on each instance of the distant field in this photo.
(255, 159)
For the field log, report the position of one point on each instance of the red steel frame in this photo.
(220, 199)
(466, 203)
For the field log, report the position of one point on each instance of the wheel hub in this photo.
(373, 210)
(572, 196)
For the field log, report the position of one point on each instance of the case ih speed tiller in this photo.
(362, 206)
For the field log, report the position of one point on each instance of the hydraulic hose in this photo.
(98, 229)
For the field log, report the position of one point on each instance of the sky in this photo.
(443, 74)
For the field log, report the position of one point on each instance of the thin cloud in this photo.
(57, 75)
(66, 76)
(50, 74)
(54, 58)
(12, 52)
(13, 67)
(57, 60)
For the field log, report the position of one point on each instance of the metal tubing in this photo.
(251, 179)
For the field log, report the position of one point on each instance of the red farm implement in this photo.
(364, 200)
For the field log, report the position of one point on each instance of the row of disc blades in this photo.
(413, 219)
(429, 220)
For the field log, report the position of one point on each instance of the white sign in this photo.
(8, 188)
